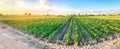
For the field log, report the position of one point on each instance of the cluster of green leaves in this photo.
(82, 30)
(68, 37)
(76, 34)
(99, 28)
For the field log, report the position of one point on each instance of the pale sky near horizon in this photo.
(54, 6)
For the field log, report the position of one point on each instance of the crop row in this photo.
(100, 28)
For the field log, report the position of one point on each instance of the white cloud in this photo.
(21, 6)
(43, 7)
(17, 6)
(44, 3)
(5, 1)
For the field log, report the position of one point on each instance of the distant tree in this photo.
(73, 15)
(91, 15)
(47, 14)
(103, 15)
(29, 14)
(119, 14)
(60, 15)
(26, 13)
(1, 14)
(86, 14)
(98, 14)
(110, 14)
(79, 14)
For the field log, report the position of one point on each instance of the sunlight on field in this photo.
(105, 17)
(11, 17)
(59, 24)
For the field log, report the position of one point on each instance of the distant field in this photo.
(105, 17)
(67, 29)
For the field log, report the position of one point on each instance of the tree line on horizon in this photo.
(29, 14)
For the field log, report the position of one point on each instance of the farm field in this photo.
(68, 30)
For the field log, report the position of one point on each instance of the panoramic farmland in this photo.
(67, 30)
(59, 24)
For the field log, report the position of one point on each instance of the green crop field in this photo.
(69, 30)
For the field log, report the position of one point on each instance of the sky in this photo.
(89, 3)
(56, 6)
